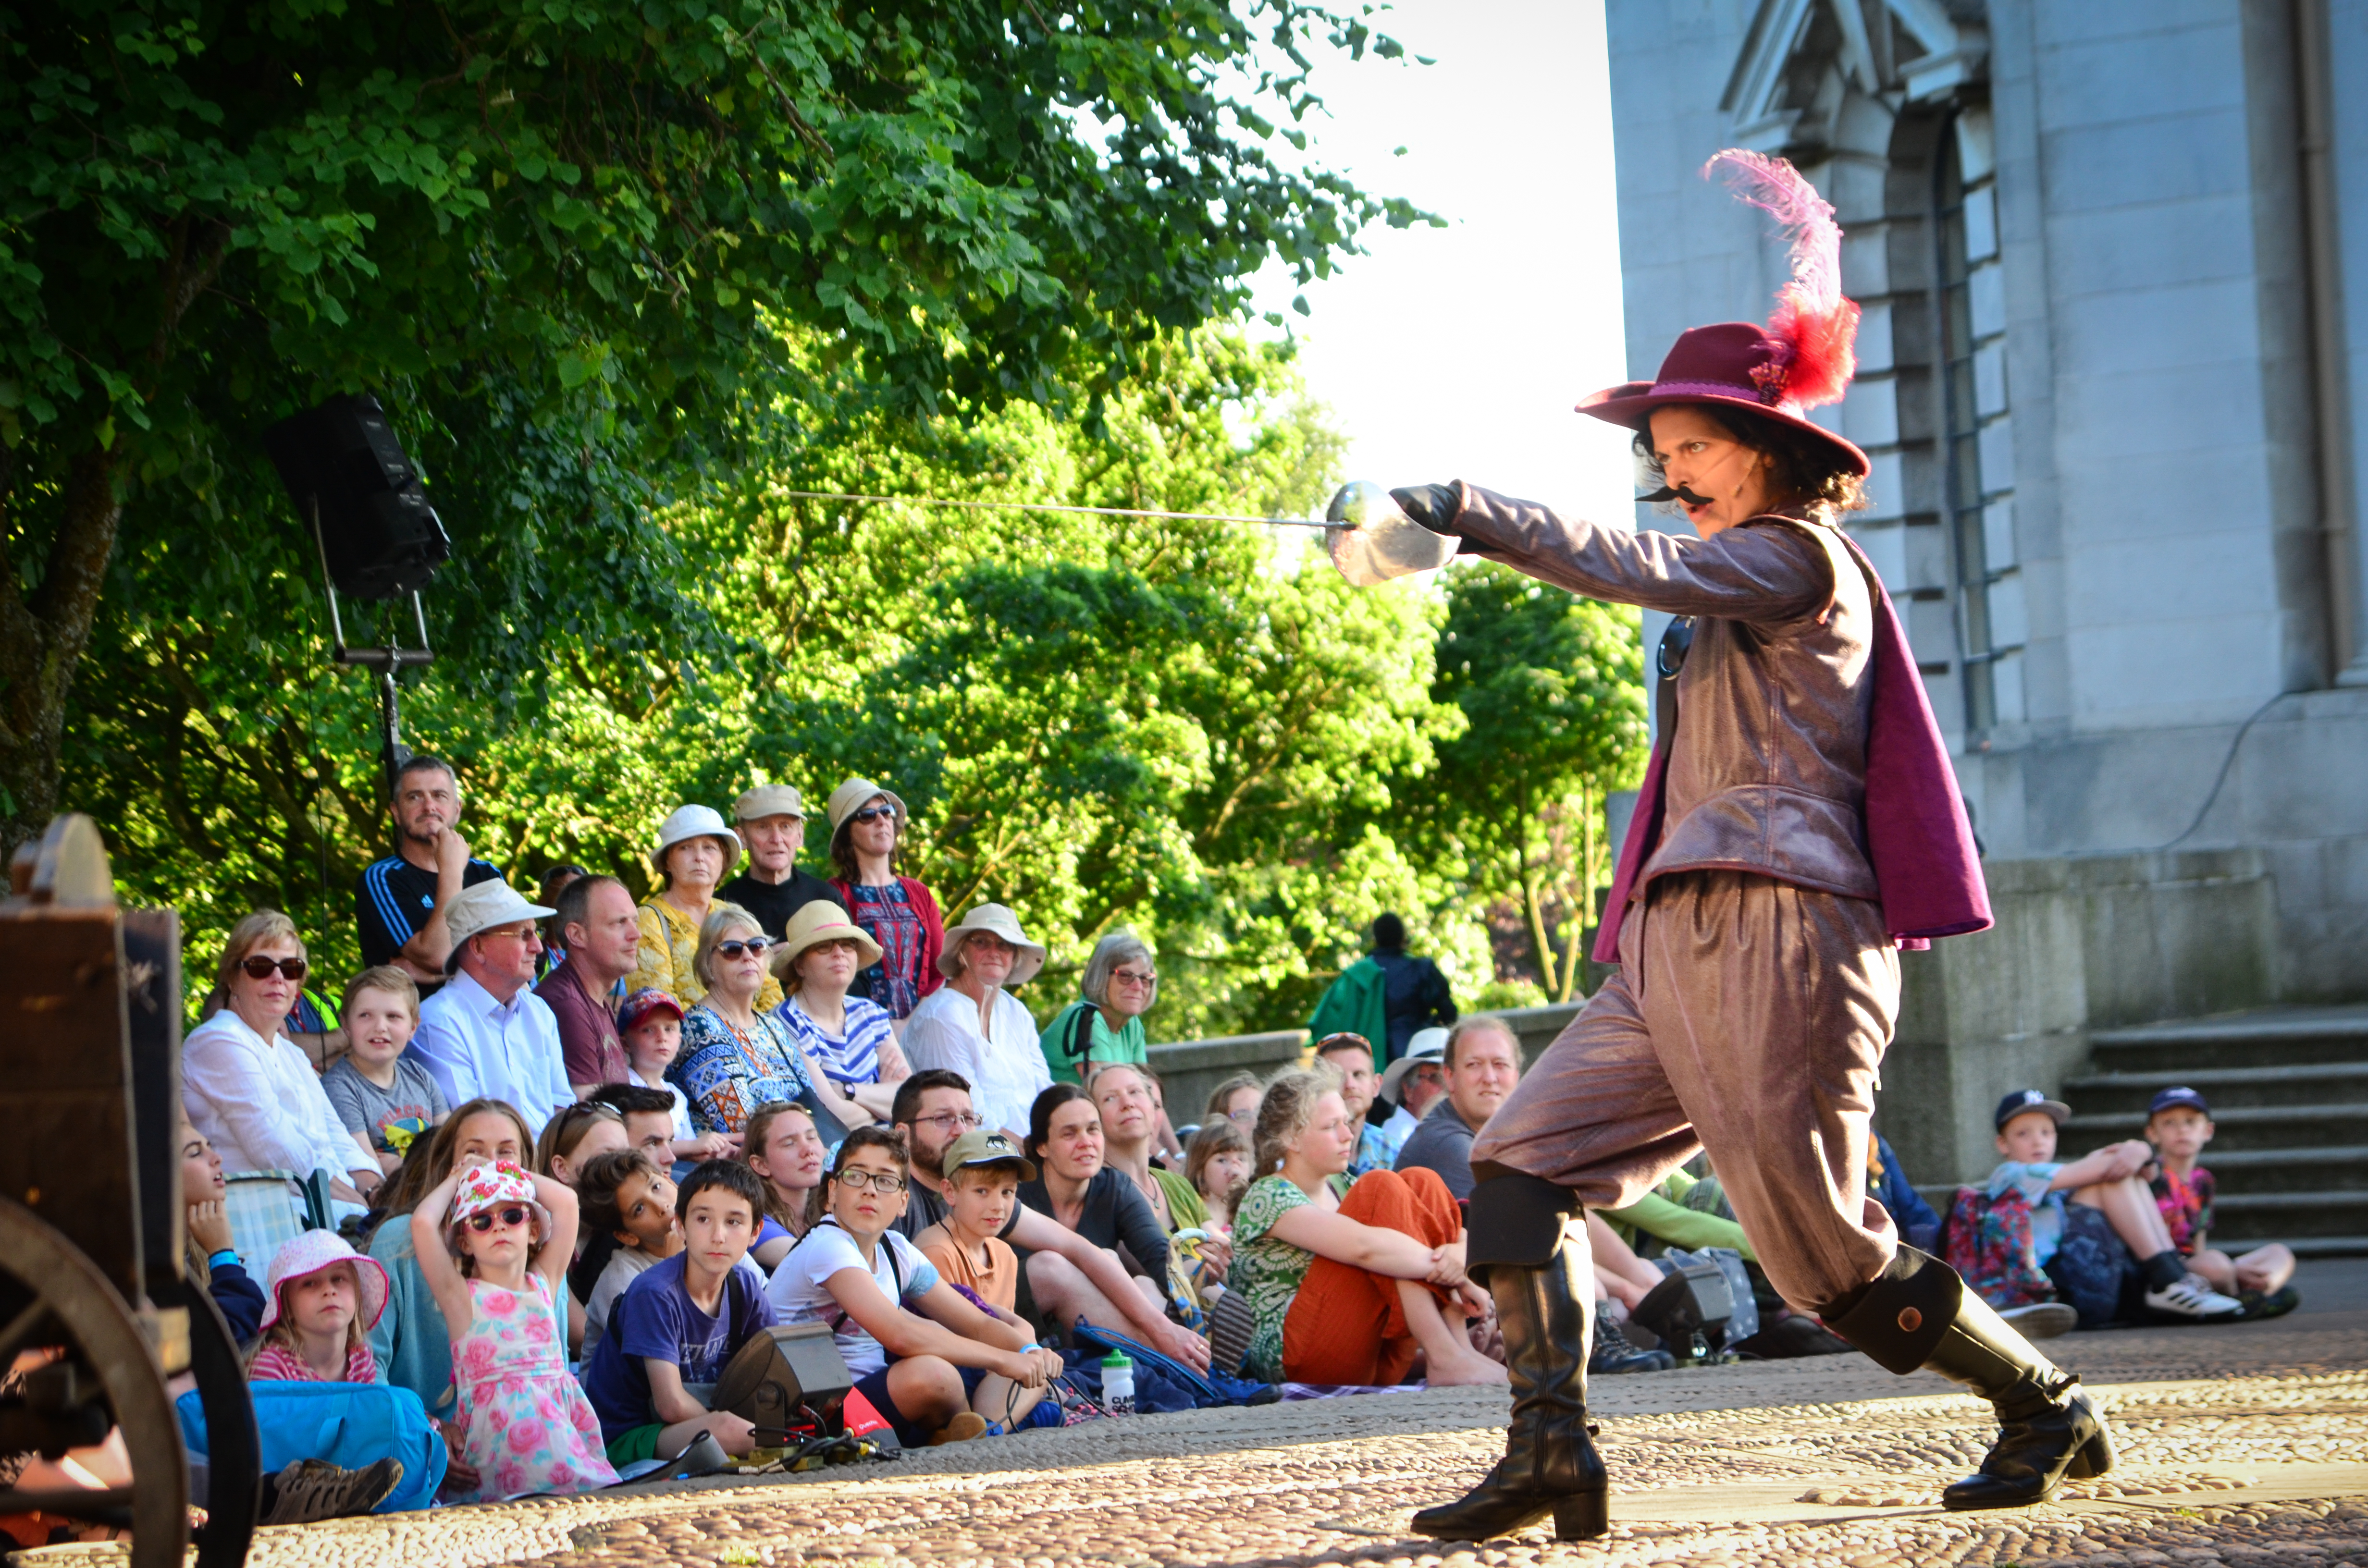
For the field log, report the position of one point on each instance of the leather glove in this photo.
(1381, 541)
(1432, 505)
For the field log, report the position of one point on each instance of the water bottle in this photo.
(1117, 1384)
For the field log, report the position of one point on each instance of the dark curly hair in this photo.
(1803, 469)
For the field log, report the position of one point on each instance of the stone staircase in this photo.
(2288, 1092)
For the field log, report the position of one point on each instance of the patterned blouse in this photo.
(896, 981)
(2186, 1205)
(670, 940)
(727, 1075)
(1267, 1270)
(853, 1058)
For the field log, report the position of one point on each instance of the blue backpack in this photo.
(1162, 1383)
(352, 1425)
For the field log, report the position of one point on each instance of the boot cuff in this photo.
(1898, 1321)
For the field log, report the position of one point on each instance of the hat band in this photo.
(1726, 389)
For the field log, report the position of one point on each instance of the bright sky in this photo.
(1457, 353)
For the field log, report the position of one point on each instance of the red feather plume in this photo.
(1811, 316)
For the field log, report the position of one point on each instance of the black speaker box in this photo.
(381, 537)
(781, 1370)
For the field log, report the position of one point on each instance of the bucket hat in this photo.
(987, 1146)
(695, 822)
(494, 1185)
(994, 918)
(768, 800)
(483, 907)
(309, 1252)
(821, 921)
(1426, 1045)
(854, 793)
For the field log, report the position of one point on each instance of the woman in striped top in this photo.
(848, 1038)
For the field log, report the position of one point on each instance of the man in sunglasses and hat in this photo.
(485, 1033)
(1798, 823)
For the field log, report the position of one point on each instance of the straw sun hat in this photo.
(816, 923)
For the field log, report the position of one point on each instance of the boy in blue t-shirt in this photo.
(679, 1322)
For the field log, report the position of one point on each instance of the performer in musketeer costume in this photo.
(1798, 823)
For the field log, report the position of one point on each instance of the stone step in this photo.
(2314, 1246)
(2304, 1083)
(2238, 1129)
(2336, 1168)
(2243, 1220)
(2261, 1037)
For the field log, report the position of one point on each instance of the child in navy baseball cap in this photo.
(2178, 1124)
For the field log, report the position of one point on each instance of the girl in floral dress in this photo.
(505, 1242)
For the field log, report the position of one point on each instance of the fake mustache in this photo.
(1678, 493)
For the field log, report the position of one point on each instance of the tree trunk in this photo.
(41, 644)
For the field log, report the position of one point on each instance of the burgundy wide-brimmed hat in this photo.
(1801, 358)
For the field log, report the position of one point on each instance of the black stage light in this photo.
(784, 1376)
(347, 475)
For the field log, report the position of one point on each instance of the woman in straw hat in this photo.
(1799, 821)
(847, 1037)
(694, 850)
(899, 913)
(975, 1028)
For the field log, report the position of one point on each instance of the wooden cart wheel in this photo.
(52, 1295)
(234, 1474)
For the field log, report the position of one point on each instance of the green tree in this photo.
(564, 238)
(1550, 686)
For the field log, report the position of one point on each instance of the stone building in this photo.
(2113, 376)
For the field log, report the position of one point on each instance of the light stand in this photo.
(390, 662)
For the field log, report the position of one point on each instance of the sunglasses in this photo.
(510, 1215)
(873, 814)
(736, 948)
(257, 967)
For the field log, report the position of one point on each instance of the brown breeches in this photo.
(1748, 1018)
(1347, 1325)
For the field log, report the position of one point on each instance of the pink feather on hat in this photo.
(1811, 315)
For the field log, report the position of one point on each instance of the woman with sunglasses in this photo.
(900, 913)
(736, 1053)
(253, 1093)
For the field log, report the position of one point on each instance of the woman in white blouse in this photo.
(972, 1026)
(252, 1093)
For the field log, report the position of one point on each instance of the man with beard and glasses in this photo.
(1062, 1276)
(1797, 823)
(400, 903)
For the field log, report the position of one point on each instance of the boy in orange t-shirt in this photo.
(984, 1169)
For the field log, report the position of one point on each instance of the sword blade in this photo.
(1053, 506)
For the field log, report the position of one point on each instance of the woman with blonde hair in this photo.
(254, 1094)
(1348, 1291)
(736, 1053)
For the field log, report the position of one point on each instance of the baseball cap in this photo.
(987, 1146)
(2021, 1100)
(2170, 1098)
(642, 1004)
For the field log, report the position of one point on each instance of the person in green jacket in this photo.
(1385, 996)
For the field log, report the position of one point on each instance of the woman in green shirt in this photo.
(1105, 1025)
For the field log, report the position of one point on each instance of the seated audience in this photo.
(938, 1368)
(771, 820)
(252, 1094)
(1670, 1216)
(1410, 1086)
(1218, 1166)
(1348, 1290)
(694, 849)
(649, 1116)
(650, 1023)
(737, 1052)
(400, 903)
(974, 1027)
(1063, 1275)
(2109, 1241)
(849, 1038)
(323, 1299)
(1236, 1100)
(213, 1257)
(556, 881)
(2178, 1124)
(385, 1099)
(899, 913)
(983, 1172)
(1887, 1183)
(410, 1343)
(681, 1321)
(1105, 1024)
(486, 1035)
(1483, 1062)
(1350, 1057)
(628, 1224)
(579, 1133)
(494, 1243)
(602, 934)
(1122, 1094)
(787, 1155)
(1077, 1189)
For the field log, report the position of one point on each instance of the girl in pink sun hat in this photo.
(494, 1242)
(322, 1299)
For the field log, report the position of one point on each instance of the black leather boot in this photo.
(1920, 1315)
(1550, 1464)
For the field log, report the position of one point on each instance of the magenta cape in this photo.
(1927, 871)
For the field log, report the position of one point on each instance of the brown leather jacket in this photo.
(1768, 772)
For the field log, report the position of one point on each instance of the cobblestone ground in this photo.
(2240, 1447)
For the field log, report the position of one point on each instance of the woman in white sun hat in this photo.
(867, 825)
(696, 849)
(972, 1026)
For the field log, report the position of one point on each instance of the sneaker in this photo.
(960, 1429)
(2277, 1304)
(2041, 1320)
(312, 1490)
(2191, 1298)
(1612, 1354)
